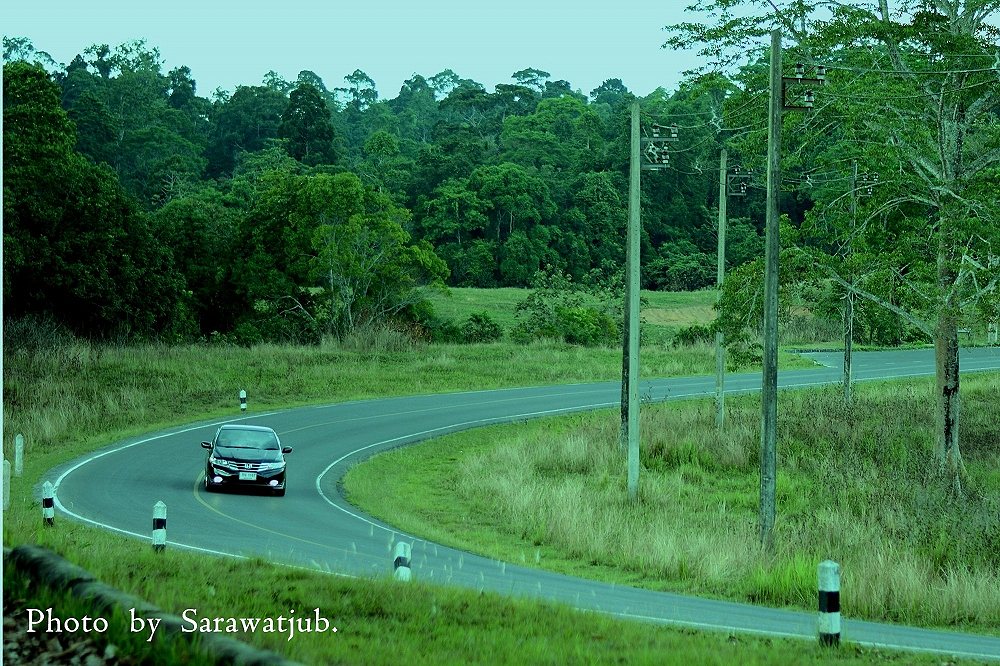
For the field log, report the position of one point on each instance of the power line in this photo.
(719, 117)
(897, 71)
(917, 96)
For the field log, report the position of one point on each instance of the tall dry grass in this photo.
(854, 486)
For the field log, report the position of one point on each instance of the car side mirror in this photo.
(286, 449)
(206, 445)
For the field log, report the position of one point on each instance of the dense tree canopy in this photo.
(499, 180)
(75, 243)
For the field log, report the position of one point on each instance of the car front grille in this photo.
(245, 466)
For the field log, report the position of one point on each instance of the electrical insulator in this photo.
(810, 98)
(821, 72)
(800, 70)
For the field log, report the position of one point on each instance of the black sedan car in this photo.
(245, 455)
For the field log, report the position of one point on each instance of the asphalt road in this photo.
(314, 527)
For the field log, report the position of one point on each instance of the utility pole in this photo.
(849, 297)
(657, 158)
(769, 391)
(631, 373)
(720, 350)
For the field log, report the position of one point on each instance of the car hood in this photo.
(248, 455)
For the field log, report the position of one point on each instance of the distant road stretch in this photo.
(314, 527)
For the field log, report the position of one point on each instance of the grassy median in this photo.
(853, 486)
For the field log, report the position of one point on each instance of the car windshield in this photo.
(248, 439)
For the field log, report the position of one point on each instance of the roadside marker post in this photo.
(48, 505)
(18, 455)
(401, 562)
(6, 485)
(159, 526)
(829, 603)
(243, 400)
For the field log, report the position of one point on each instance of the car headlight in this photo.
(216, 462)
(264, 467)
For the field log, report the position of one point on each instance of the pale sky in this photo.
(230, 43)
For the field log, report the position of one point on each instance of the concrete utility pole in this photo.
(631, 378)
(720, 350)
(849, 297)
(657, 158)
(769, 392)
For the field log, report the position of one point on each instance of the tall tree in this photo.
(244, 122)
(514, 197)
(919, 80)
(306, 125)
(77, 247)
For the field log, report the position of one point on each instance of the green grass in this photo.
(379, 621)
(460, 302)
(663, 312)
(852, 486)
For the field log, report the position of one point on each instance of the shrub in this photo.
(694, 334)
(440, 330)
(586, 326)
(480, 327)
(555, 309)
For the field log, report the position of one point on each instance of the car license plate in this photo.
(248, 476)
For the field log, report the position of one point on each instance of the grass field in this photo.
(663, 313)
(552, 493)
(663, 308)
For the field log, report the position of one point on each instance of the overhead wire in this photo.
(719, 118)
(915, 71)
(708, 111)
(917, 96)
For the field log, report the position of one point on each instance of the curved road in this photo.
(314, 527)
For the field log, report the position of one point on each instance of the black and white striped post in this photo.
(48, 504)
(18, 455)
(159, 526)
(401, 562)
(829, 603)
(6, 484)
(243, 400)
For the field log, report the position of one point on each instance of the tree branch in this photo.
(923, 326)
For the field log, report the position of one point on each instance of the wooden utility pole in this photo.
(631, 377)
(769, 392)
(849, 297)
(720, 350)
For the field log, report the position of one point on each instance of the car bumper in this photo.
(223, 479)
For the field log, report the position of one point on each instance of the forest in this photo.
(290, 210)
(144, 209)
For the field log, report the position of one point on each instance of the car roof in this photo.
(238, 426)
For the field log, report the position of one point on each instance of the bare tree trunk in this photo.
(848, 344)
(332, 328)
(947, 454)
(946, 450)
